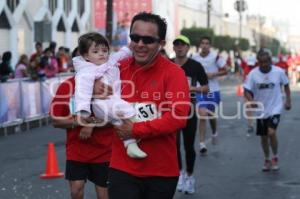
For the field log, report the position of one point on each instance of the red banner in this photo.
(124, 10)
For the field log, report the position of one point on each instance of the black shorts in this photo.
(262, 125)
(94, 172)
(125, 186)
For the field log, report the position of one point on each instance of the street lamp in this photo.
(109, 19)
(208, 13)
(240, 6)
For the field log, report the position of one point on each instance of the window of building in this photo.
(75, 27)
(80, 7)
(61, 26)
(67, 6)
(4, 24)
(12, 4)
(52, 5)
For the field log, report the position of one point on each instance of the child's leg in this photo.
(114, 110)
(104, 109)
(101, 109)
(133, 149)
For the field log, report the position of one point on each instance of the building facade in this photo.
(23, 22)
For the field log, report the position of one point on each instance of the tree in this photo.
(195, 34)
(243, 44)
(223, 42)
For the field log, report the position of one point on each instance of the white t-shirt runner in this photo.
(211, 64)
(266, 88)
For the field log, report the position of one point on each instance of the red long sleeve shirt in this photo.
(164, 84)
(96, 149)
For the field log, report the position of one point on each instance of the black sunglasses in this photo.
(145, 39)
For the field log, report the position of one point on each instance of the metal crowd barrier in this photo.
(24, 100)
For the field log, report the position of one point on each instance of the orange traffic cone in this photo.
(239, 91)
(52, 170)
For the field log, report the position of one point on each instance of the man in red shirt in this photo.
(87, 159)
(159, 90)
(282, 63)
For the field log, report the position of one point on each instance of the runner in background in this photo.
(215, 66)
(198, 84)
(263, 90)
(282, 63)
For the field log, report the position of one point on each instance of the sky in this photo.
(288, 10)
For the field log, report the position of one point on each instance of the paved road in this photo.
(231, 170)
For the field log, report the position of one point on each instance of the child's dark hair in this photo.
(86, 40)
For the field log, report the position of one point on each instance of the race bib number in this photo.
(146, 111)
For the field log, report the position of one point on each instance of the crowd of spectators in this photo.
(47, 62)
(43, 63)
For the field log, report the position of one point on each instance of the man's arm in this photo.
(175, 112)
(199, 89)
(220, 72)
(288, 104)
(65, 123)
(285, 81)
(174, 117)
(248, 95)
(223, 68)
(72, 122)
(202, 79)
(248, 90)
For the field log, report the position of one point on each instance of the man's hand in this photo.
(101, 90)
(91, 121)
(211, 75)
(124, 131)
(254, 104)
(193, 89)
(287, 105)
(86, 132)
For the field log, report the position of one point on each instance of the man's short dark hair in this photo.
(85, 41)
(67, 50)
(61, 48)
(6, 56)
(38, 44)
(52, 45)
(264, 52)
(156, 19)
(205, 38)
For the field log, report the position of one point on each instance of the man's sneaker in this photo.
(203, 149)
(267, 166)
(189, 187)
(214, 139)
(181, 181)
(275, 166)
